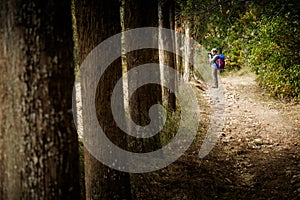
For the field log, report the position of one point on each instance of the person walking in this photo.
(213, 59)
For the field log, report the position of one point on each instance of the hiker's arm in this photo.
(213, 59)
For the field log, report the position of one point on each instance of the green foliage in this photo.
(238, 37)
(221, 15)
(261, 33)
(214, 23)
(171, 125)
(274, 55)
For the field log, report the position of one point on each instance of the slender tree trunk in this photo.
(143, 14)
(96, 21)
(188, 54)
(167, 20)
(38, 141)
(191, 59)
(179, 45)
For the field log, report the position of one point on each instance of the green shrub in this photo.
(274, 56)
(238, 37)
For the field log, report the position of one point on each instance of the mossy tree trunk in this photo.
(38, 140)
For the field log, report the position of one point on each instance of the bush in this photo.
(238, 36)
(274, 55)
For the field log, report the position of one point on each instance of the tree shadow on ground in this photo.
(223, 176)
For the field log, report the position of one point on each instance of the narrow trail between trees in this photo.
(260, 142)
(256, 157)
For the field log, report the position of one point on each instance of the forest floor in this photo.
(256, 157)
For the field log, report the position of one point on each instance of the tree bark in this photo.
(143, 14)
(96, 21)
(38, 141)
(188, 55)
(179, 46)
(167, 20)
(137, 14)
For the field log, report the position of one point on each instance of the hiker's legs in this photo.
(215, 76)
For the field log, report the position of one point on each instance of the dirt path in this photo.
(261, 139)
(256, 157)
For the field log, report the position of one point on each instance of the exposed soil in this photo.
(256, 157)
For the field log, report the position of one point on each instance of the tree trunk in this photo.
(38, 141)
(138, 14)
(96, 21)
(179, 45)
(188, 54)
(167, 20)
(143, 14)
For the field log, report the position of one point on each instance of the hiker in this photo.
(213, 59)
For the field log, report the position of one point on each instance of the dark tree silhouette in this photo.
(96, 21)
(135, 13)
(167, 20)
(38, 141)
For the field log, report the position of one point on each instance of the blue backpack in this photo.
(221, 62)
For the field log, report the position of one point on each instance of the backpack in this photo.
(221, 62)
